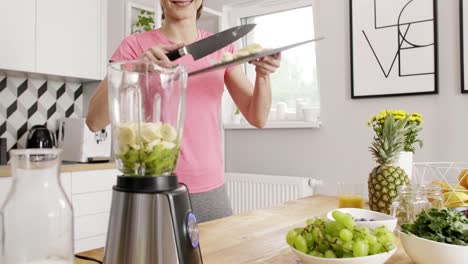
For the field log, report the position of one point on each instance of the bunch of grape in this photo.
(340, 238)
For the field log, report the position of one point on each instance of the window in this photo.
(297, 76)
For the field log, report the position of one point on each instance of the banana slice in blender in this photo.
(168, 133)
(126, 135)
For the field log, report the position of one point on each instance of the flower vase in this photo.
(405, 161)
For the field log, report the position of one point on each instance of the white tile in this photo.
(46, 101)
(26, 100)
(15, 82)
(17, 120)
(35, 84)
(38, 118)
(54, 85)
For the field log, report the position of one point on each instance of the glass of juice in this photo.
(350, 195)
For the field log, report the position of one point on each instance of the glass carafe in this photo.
(36, 219)
(146, 108)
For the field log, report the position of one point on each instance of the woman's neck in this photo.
(182, 31)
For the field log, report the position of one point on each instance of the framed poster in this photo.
(463, 45)
(393, 47)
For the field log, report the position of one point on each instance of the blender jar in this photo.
(36, 220)
(146, 108)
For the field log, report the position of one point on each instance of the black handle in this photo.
(173, 55)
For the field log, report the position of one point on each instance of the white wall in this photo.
(339, 149)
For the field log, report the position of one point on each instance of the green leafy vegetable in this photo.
(446, 226)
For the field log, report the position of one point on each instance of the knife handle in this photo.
(175, 54)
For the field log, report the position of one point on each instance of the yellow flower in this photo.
(368, 124)
(373, 119)
(417, 114)
(412, 119)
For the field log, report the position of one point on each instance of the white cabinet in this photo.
(91, 199)
(54, 37)
(70, 36)
(17, 33)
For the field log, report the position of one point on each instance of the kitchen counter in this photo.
(68, 167)
(259, 236)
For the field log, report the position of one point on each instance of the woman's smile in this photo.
(182, 3)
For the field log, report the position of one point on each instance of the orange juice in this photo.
(350, 201)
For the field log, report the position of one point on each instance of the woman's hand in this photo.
(157, 54)
(267, 65)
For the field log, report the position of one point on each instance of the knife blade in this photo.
(212, 43)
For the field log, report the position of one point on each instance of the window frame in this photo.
(233, 17)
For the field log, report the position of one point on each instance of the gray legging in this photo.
(211, 205)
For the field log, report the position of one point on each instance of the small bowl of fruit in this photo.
(368, 218)
(341, 241)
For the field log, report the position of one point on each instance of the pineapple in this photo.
(385, 178)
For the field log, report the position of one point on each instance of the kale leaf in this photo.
(446, 226)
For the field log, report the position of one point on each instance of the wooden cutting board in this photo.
(259, 236)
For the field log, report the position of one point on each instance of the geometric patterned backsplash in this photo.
(28, 102)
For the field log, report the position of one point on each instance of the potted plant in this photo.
(395, 131)
(145, 22)
(414, 124)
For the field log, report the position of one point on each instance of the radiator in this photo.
(256, 191)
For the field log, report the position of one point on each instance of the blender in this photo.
(151, 219)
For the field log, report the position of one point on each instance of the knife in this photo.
(212, 43)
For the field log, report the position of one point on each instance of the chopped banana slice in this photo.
(228, 56)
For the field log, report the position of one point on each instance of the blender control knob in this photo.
(192, 229)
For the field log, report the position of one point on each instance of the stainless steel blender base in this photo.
(150, 228)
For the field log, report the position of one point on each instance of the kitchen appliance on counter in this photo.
(40, 137)
(79, 144)
(151, 220)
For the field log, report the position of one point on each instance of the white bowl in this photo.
(380, 219)
(374, 259)
(425, 251)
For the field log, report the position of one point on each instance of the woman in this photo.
(200, 164)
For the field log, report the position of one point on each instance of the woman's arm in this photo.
(98, 113)
(253, 101)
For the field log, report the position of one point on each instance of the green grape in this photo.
(320, 255)
(309, 239)
(347, 255)
(314, 253)
(348, 246)
(322, 247)
(291, 237)
(346, 235)
(317, 234)
(386, 239)
(371, 239)
(329, 254)
(344, 218)
(360, 249)
(301, 244)
(309, 222)
(375, 248)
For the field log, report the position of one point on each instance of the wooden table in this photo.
(259, 236)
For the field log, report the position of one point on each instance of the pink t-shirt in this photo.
(200, 164)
